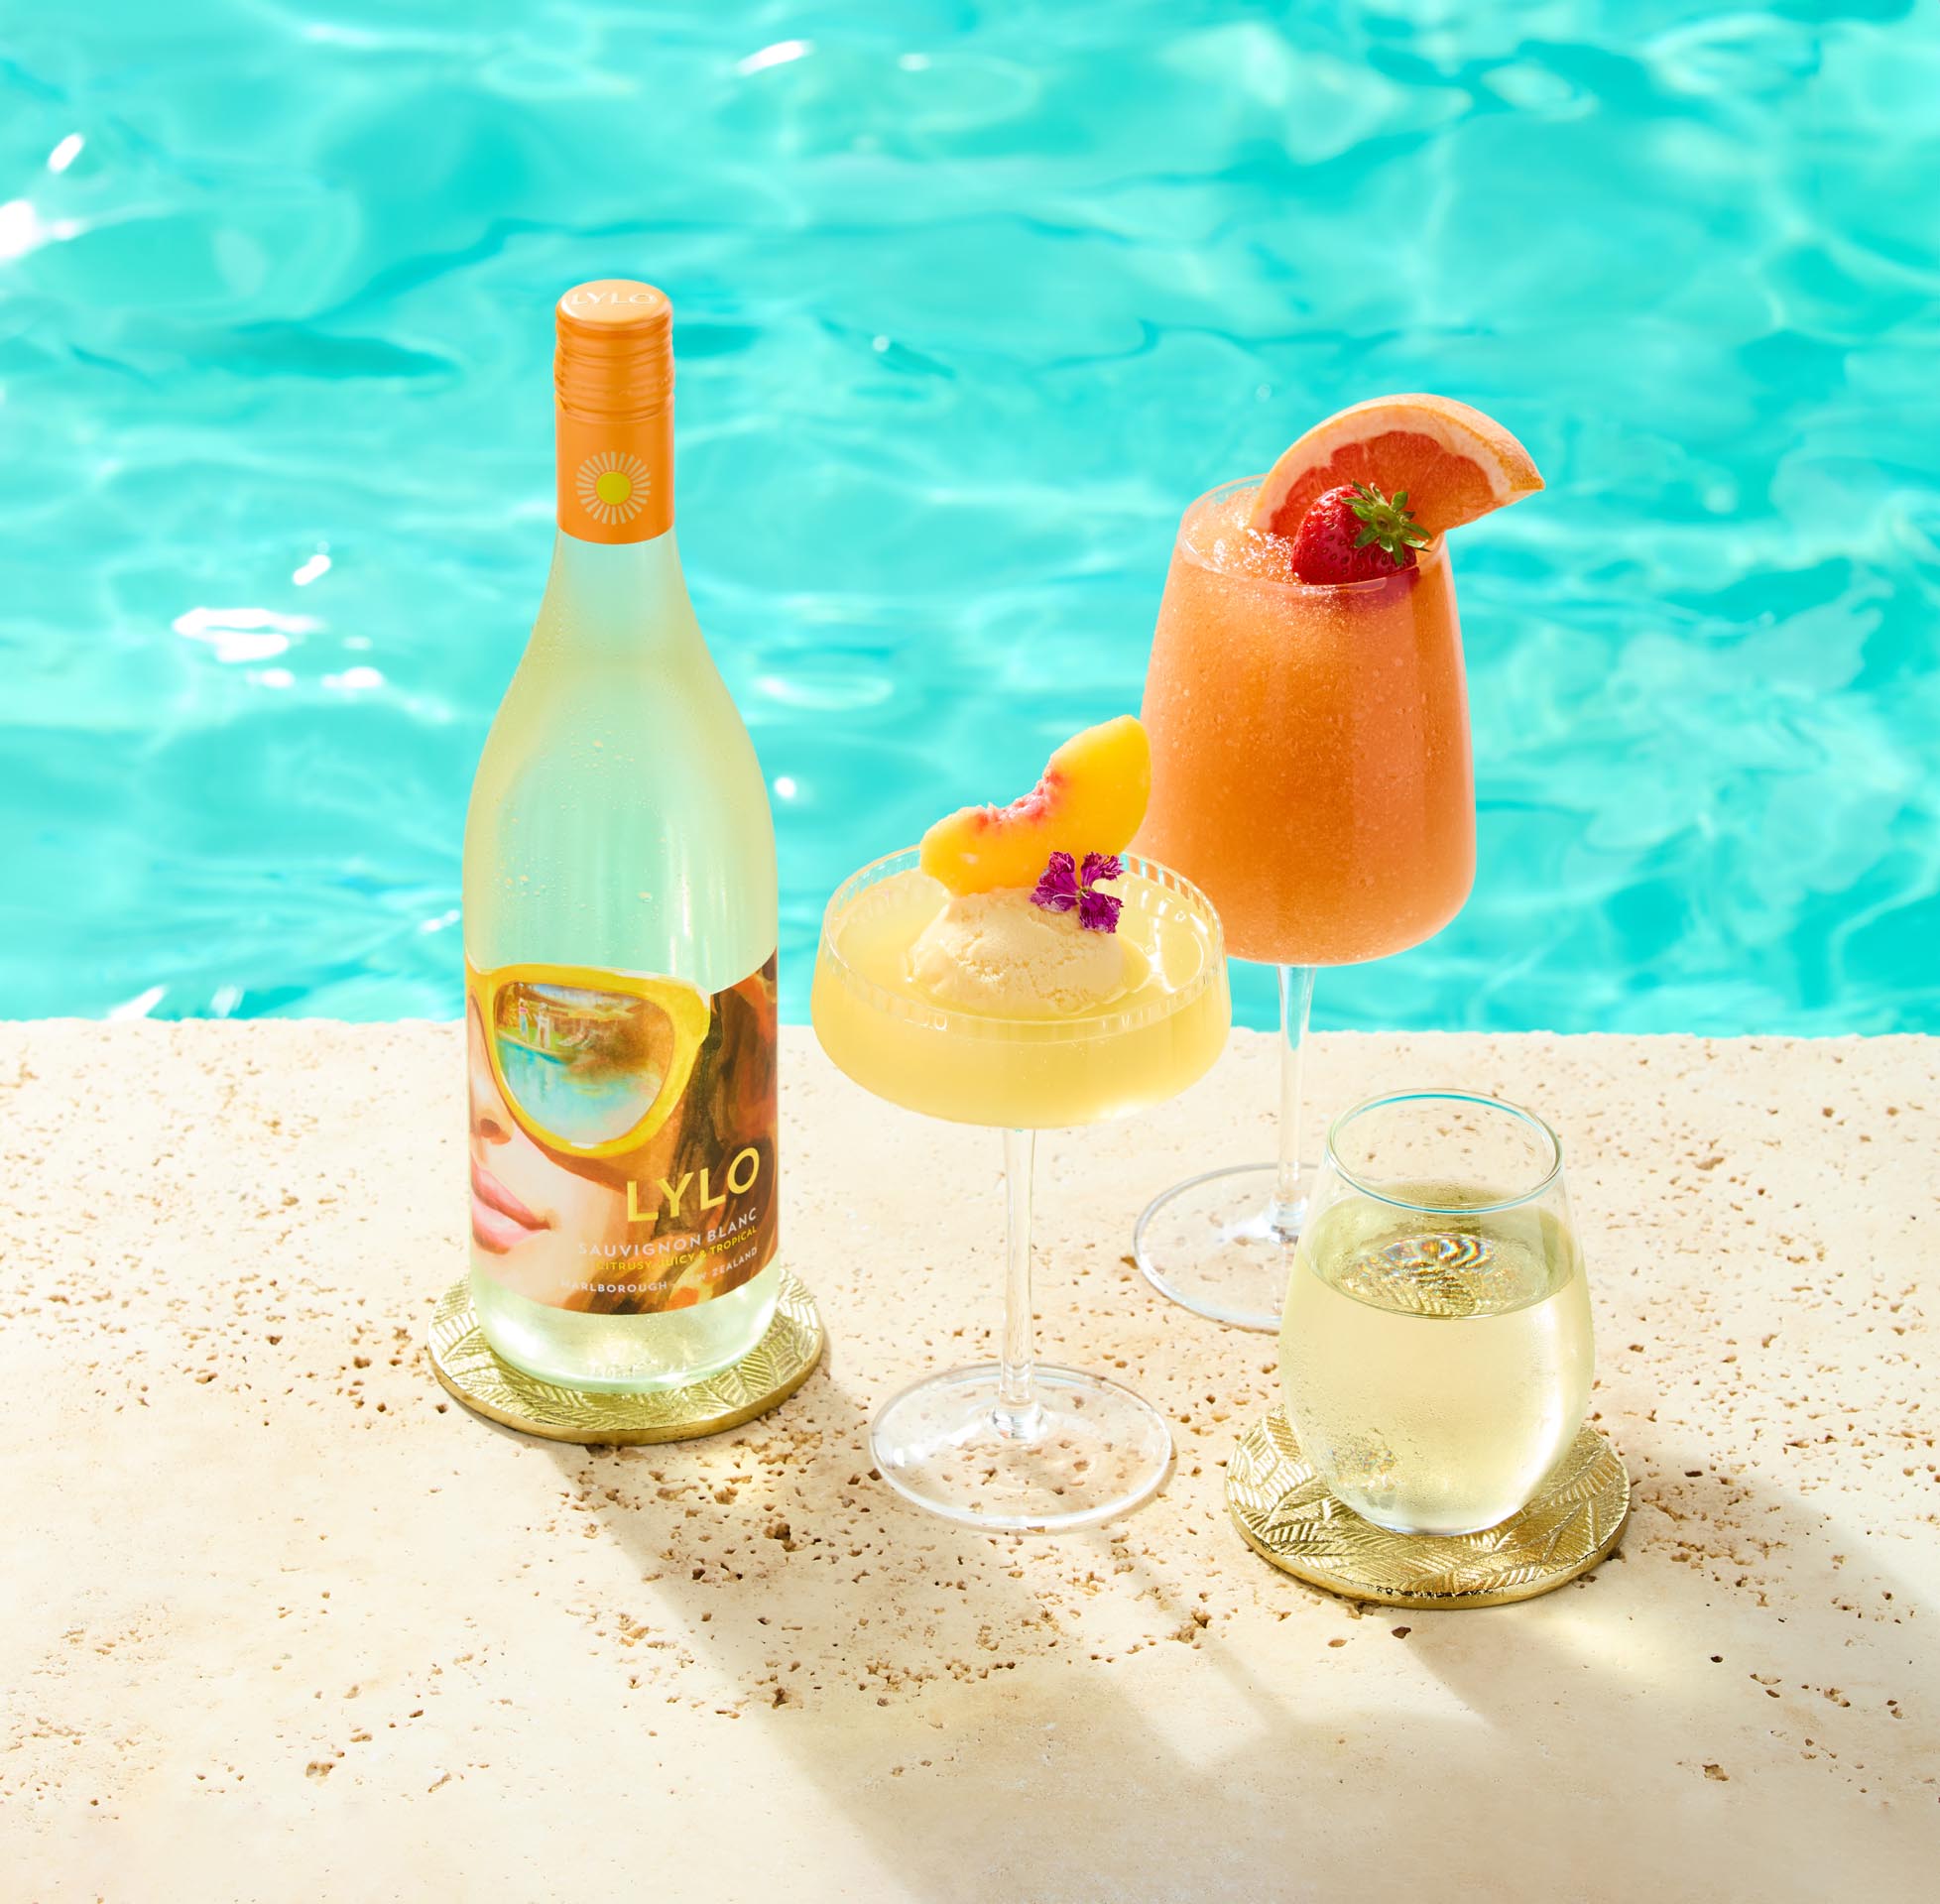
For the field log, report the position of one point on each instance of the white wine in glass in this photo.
(1436, 1354)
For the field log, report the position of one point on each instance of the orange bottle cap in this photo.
(613, 385)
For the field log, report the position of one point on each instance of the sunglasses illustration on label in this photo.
(622, 1136)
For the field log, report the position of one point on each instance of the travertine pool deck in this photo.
(283, 1621)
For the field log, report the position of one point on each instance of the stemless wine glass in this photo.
(1311, 773)
(1436, 1354)
(1015, 1444)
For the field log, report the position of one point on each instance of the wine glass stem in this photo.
(1289, 1194)
(1018, 1416)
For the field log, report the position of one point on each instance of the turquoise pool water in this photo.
(971, 301)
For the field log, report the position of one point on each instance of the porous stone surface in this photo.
(285, 1621)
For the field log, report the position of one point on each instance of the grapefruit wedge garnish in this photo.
(1454, 464)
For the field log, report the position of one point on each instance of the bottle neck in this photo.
(628, 598)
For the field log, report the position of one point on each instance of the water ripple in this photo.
(971, 303)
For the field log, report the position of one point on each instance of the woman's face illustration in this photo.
(528, 1212)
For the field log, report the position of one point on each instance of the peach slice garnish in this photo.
(1091, 799)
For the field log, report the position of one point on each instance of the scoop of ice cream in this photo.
(998, 953)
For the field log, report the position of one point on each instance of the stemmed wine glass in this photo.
(1311, 775)
(1016, 1444)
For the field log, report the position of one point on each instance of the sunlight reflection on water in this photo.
(969, 306)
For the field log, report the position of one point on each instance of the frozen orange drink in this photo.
(1310, 767)
(1311, 744)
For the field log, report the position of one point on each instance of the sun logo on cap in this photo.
(613, 486)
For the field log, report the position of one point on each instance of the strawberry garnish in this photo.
(1354, 534)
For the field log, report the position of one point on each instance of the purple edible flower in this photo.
(1057, 889)
(1065, 887)
(1098, 912)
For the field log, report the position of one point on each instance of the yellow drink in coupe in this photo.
(1120, 1052)
(1015, 970)
(1436, 1365)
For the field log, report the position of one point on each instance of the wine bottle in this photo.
(620, 928)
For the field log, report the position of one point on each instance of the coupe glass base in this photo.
(1084, 1451)
(1215, 1246)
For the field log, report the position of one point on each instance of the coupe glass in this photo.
(1012, 1443)
(1436, 1357)
(1311, 773)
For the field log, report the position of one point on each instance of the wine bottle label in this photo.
(622, 1136)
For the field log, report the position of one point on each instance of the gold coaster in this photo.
(1285, 1512)
(771, 1371)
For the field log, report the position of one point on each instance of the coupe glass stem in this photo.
(1018, 1416)
(1290, 1195)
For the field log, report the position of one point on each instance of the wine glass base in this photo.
(1217, 1246)
(1087, 1450)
